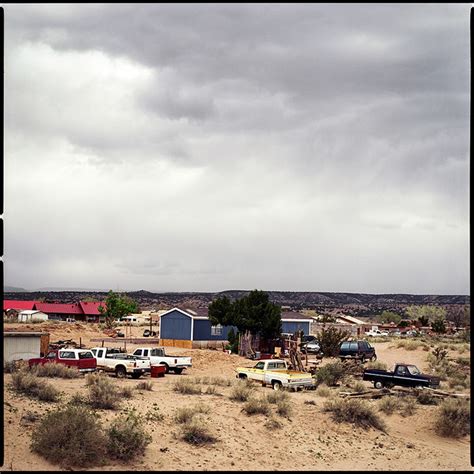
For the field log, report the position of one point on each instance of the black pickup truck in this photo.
(406, 375)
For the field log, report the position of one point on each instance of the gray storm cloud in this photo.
(206, 147)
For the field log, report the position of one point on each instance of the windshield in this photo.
(413, 370)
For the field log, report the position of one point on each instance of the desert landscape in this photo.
(303, 436)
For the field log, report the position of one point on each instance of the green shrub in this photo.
(186, 387)
(453, 418)
(185, 415)
(30, 385)
(408, 407)
(211, 390)
(195, 432)
(241, 392)
(257, 406)
(388, 405)
(277, 396)
(103, 394)
(377, 365)
(71, 437)
(355, 412)
(331, 374)
(426, 398)
(323, 391)
(56, 370)
(284, 408)
(273, 424)
(359, 387)
(126, 392)
(145, 385)
(127, 437)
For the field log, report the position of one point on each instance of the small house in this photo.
(191, 328)
(30, 315)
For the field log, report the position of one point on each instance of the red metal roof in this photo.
(14, 304)
(59, 308)
(91, 308)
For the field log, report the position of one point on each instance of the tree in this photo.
(390, 317)
(117, 306)
(330, 339)
(425, 313)
(438, 325)
(254, 313)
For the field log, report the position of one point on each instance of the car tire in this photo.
(136, 376)
(373, 358)
(362, 359)
(277, 385)
(167, 368)
(378, 384)
(121, 372)
(178, 371)
(242, 376)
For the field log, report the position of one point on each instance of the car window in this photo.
(401, 370)
(271, 365)
(345, 346)
(67, 355)
(138, 352)
(155, 352)
(353, 346)
(413, 370)
(86, 355)
(51, 355)
(260, 365)
(280, 365)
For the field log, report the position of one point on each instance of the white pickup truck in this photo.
(157, 356)
(275, 372)
(121, 364)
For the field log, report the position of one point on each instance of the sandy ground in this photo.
(309, 440)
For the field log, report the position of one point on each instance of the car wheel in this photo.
(373, 358)
(276, 385)
(362, 359)
(378, 384)
(178, 371)
(167, 368)
(136, 376)
(120, 372)
(242, 376)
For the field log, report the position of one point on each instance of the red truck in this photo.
(81, 359)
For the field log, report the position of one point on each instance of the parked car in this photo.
(406, 375)
(148, 333)
(157, 356)
(121, 364)
(81, 359)
(376, 333)
(311, 347)
(361, 350)
(275, 372)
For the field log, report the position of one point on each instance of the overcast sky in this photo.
(208, 147)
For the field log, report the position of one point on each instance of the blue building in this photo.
(191, 328)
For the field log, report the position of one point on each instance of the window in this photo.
(271, 366)
(413, 370)
(86, 355)
(216, 330)
(51, 355)
(260, 365)
(280, 365)
(345, 346)
(67, 355)
(354, 346)
(138, 352)
(402, 370)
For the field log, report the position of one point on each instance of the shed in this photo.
(24, 345)
(27, 316)
(191, 328)
(292, 321)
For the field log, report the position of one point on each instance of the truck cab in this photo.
(81, 359)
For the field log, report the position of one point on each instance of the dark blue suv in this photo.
(361, 350)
